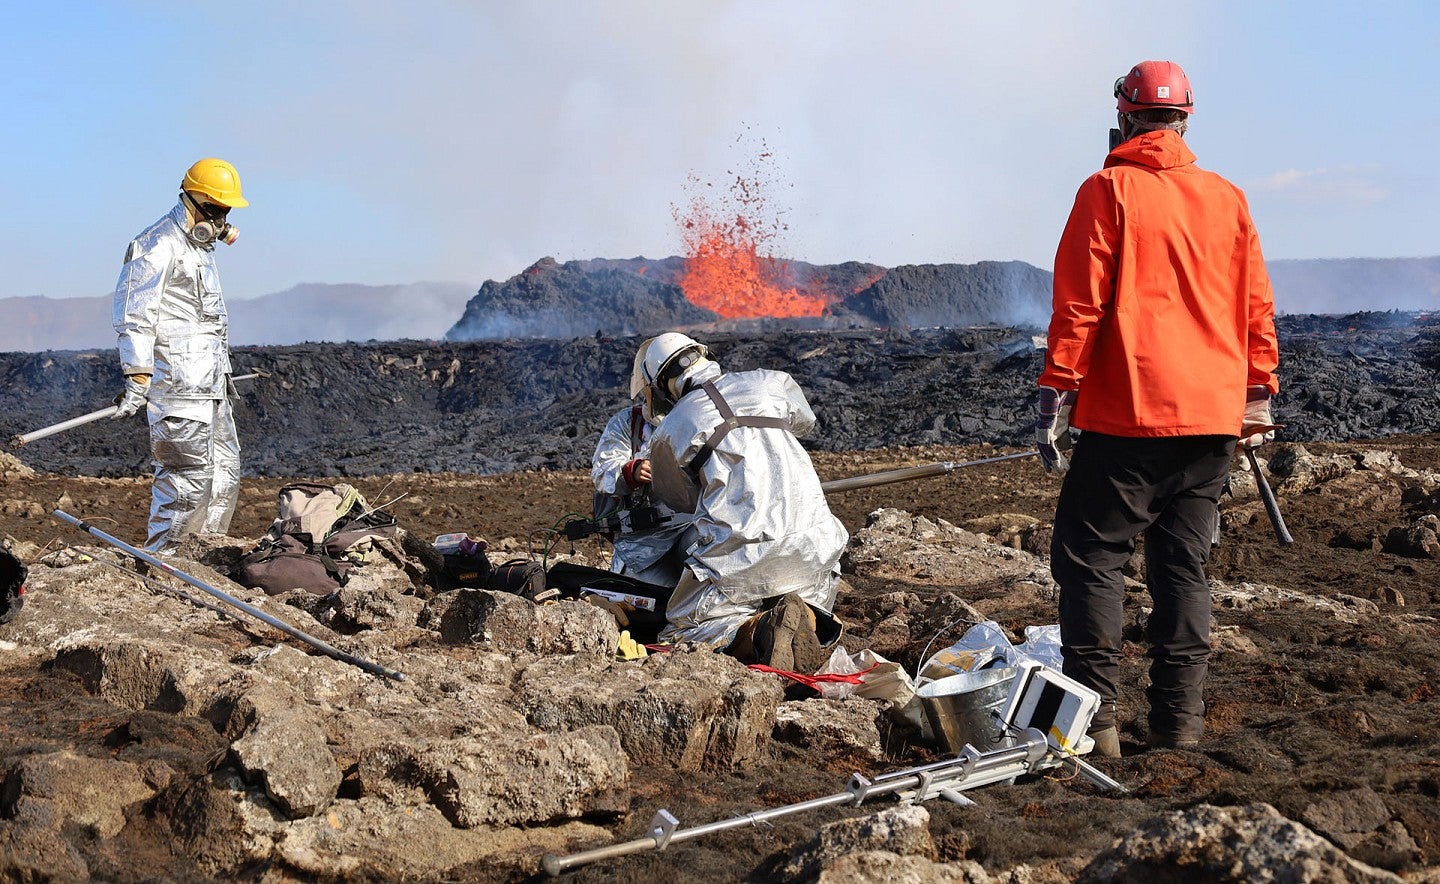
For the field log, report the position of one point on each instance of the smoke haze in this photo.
(461, 140)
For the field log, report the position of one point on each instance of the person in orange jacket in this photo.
(1162, 351)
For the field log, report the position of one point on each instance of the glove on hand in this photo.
(619, 610)
(1052, 429)
(133, 399)
(1257, 414)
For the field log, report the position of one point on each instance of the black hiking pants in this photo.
(1118, 487)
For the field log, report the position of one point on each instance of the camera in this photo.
(640, 518)
(646, 518)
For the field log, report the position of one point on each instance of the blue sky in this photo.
(388, 142)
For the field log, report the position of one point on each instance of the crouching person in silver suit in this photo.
(762, 575)
(174, 352)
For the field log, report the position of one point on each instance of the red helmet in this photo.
(1154, 84)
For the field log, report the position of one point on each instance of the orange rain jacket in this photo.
(1163, 312)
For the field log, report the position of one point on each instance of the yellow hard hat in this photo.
(216, 179)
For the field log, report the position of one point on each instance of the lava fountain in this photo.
(728, 268)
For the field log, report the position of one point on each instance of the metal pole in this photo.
(905, 474)
(20, 440)
(317, 644)
(1272, 508)
(662, 836)
(969, 770)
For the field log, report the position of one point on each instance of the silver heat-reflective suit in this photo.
(171, 321)
(764, 528)
(644, 555)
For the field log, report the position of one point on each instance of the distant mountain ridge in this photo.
(1345, 285)
(309, 312)
(551, 299)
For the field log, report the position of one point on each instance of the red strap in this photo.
(811, 681)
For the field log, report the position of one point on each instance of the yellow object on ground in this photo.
(630, 649)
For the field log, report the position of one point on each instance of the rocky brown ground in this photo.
(1322, 697)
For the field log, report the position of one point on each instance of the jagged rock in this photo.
(891, 634)
(1360, 822)
(903, 830)
(144, 674)
(379, 587)
(686, 711)
(370, 839)
(58, 789)
(1419, 540)
(371, 599)
(1262, 597)
(11, 467)
(283, 748)
(1390, 847)
(39, 853)
(222, 823)
(1232, 640)
(898, 546)
(332, 409)
(868, 866)
(833, 728)
(1347, 817)
(507, 779)
(1008, 529)
(1299, 469)
(504, 622)
(1227, 844)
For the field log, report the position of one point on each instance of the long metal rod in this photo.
(20, 440)
(554, 865)
(969, 770)
(905, 474)
(317, 644)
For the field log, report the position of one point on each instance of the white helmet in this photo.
(637, 371)
(663, 362)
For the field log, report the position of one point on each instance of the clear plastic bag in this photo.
(985, 645)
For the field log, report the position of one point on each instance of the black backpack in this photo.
(648, 600)
(12, 586)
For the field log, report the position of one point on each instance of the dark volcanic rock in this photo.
(553, 300)
(637, 296)
(498, 406)
(925, 295)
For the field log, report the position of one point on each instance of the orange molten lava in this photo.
(725, 270)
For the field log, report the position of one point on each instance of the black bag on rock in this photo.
(523, 578)
(645, 602)
(12, 586)
(461, 570)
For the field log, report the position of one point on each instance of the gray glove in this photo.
(1052, 429)
(1257, 414)
(133, 399)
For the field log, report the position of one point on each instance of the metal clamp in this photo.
(662, 827)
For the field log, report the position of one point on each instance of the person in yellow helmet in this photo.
(175, 356)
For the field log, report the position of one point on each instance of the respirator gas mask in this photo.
(210, 225)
